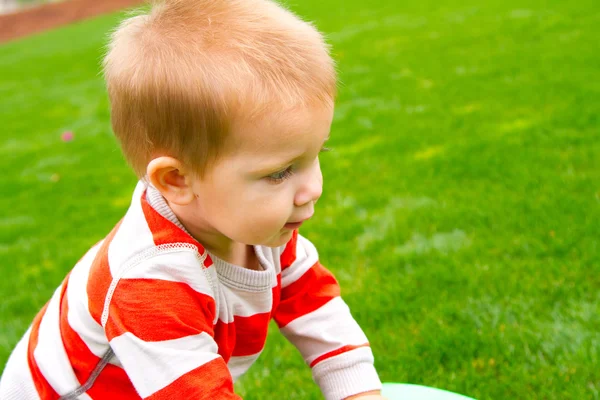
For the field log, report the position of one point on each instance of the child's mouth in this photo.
(293, 225)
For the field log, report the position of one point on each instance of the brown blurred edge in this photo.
(51, 15)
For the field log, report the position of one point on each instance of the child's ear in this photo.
(169, 176)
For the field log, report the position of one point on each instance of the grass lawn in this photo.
(461, 207)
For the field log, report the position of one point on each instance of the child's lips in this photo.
(293, 225)
(296, 225)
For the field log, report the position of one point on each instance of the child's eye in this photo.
(280, 176)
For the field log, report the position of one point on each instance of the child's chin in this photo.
(280, 240)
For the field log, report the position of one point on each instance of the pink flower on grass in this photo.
(67, 136)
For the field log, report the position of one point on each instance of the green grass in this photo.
(461, 204)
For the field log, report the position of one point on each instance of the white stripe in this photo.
(238, 303)
(306, 257)
(50, 354)
(240, 364)
(270, 256)
(133, 235)
(245, 304)
(324, 330)
(79, 317)
(347, 374)
(152, 366)
(182, 265)
(224, 312)
(16, 383)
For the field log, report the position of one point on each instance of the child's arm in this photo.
(313, 316)
(159, 322)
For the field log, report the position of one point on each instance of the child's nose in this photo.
(311, 190)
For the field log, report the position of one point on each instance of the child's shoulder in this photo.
(144, 242)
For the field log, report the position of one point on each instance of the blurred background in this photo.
(461, 201)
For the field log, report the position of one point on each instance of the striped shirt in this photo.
(149, 313)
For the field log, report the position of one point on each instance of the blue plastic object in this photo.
(405, 391)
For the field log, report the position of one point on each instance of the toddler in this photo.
(222, 108)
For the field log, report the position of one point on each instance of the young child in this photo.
(221, 107)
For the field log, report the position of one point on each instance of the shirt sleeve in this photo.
(312, 315)
(160, 327)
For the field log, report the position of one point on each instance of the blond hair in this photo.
(179, 74)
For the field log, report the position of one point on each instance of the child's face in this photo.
(268, 180)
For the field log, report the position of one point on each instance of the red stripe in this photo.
(309, 293)
(163, 230)
(157, 310)
(289, 253)
(250, 334)
(45, 391)
(114, 384)
(81, 358)
(166, 232)
(211, 381)
(225, 338)
(276, 292)
(337, 352)
(100, 278)
(243, 337)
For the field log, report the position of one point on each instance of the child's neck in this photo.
(215, 242)
(244, 256)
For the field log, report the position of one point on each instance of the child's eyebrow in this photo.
(269, 168)
(265, 169)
